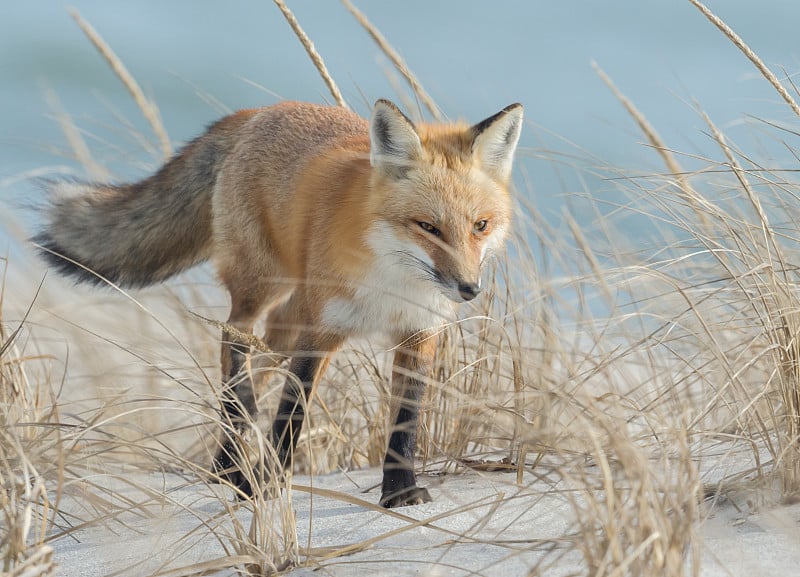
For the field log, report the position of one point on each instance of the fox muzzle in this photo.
(468, 290)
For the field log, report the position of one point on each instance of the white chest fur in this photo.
(392, 297)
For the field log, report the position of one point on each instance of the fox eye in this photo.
(481, 225)
(428, 227)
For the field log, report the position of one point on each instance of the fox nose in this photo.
(468, 290)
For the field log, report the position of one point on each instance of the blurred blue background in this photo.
(197, 59)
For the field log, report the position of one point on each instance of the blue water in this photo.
(197, 59)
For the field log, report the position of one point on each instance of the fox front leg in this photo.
(413, 363)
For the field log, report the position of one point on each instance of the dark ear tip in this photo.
(393, 108)
(484, 124)
(387, 103)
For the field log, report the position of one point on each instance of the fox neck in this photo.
(389, 298)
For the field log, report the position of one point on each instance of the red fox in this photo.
(331, 225)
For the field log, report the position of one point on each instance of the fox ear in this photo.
(495, 140)
(394, 142)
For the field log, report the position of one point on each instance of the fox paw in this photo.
(404, 497)
(233, 475)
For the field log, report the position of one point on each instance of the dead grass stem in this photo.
(396, 60)
(148, 108)
(749, 53)
(317, 60)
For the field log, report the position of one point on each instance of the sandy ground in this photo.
(478, 524)
(128, 523)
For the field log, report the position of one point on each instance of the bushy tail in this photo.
(138, 234)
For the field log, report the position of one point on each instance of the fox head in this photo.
(443, 190)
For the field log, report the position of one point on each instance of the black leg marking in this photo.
(291, 410)
(239, 398)
(399, 482)
(238, 403)
(412, 365)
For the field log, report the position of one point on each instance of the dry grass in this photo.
(626, 381)
(148, 108)
(315, 57)
(27, 447)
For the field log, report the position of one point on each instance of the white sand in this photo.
(478, 524)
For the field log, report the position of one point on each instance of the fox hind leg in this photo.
(282, 330)
(238, 399)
